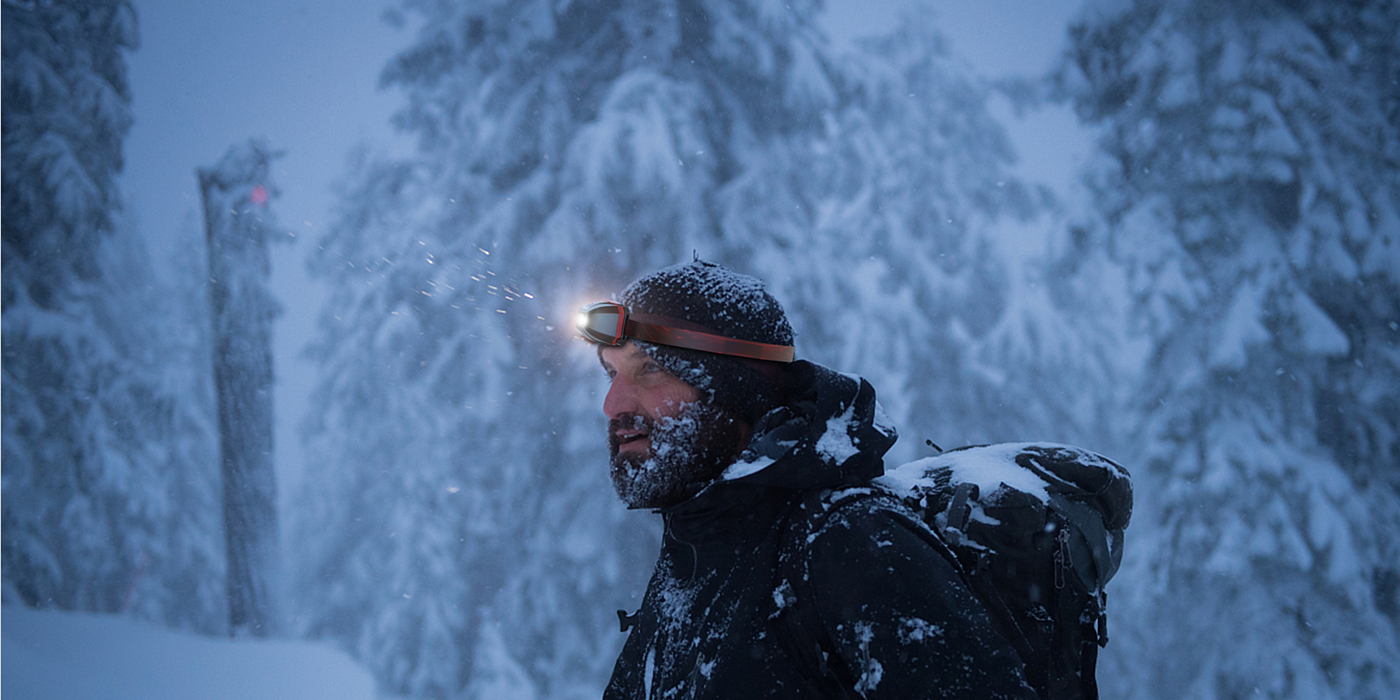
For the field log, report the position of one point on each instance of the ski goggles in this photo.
(608, 323)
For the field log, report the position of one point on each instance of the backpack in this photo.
(1037, 530)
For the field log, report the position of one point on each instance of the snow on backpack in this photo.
(1037, 530)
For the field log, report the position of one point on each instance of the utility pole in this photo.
(238, 227)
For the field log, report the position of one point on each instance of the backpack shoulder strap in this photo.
(799, 631)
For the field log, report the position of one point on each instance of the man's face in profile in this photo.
(664, 443)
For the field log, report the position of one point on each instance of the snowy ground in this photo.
(70, 656)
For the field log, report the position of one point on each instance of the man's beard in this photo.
(685, 454)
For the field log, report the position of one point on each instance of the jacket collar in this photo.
(829, 433)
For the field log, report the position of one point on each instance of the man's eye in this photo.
(651, 367)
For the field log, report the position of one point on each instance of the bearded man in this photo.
(763, 587)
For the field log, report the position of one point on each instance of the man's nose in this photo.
(621, 398)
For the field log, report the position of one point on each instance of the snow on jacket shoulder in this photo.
(766, 588)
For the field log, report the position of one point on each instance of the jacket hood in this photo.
(830, 432)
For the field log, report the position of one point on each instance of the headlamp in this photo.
(608, 323)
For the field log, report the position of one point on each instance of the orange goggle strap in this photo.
(676, 337)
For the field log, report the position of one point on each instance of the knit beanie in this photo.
(705, 297)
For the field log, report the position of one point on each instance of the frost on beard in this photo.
(687, 452)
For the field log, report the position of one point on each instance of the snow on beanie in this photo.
(702, 296)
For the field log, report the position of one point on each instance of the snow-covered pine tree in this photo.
(109, 481)
(1252, 195)
(916, 258)
(188, 590)
(239, 228)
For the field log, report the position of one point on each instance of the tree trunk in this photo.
(237, 226)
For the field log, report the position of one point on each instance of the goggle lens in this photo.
(602, 322)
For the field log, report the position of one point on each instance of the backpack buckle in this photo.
(1064, 558)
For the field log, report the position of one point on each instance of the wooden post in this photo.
(238, 226)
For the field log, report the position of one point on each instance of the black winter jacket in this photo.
(765, 589)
